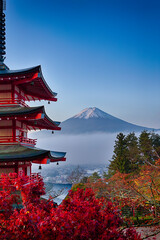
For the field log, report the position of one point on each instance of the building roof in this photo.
(31, 82)
(33, 117)
(19, 110)
(24, 153)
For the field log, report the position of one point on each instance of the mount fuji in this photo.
(91, 120)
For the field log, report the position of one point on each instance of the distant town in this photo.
(61, 173)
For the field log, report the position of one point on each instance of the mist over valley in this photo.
(89, 149)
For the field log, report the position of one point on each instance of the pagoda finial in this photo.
(2, 34)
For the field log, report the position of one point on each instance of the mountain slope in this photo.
(92, 120)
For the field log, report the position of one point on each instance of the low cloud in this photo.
(81, 149)
(88, 149)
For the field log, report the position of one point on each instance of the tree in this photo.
(133, 151)
(94, 177)
(120, 160)
(130, 152)
(141, 189)
(76, 175)
(145, 146)
(80, 217)
(155, 139)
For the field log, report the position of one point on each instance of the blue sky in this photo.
(93, 53)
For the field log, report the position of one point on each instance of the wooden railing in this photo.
(22, 140)
(5, 101)
(28, 140)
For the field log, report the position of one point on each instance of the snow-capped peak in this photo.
(92, 113)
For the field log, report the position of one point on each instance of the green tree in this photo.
(155, 139)
(120, 160)
(134, 155)
(94, 177)
(131, 152)
(145, 146)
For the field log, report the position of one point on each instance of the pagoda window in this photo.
(17, 132)
(20, 169)
(16, 95)
(18, 124)
(28, 170)
(25, 134)
(17, 89)
(22, 134)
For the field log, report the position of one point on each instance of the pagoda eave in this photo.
(31, 81)
(41, 124)
(21, 111)
(39, 98)
(20, 153)
(48, 160)
(35, 117)
(60, 160)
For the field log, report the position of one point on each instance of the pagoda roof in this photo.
(33, 117)
(31, 81)
(22, 153)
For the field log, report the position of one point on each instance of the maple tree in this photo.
(138, 193)
(80, 216)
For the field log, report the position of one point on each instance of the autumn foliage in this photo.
(24, 215)
(137, 194)
(138, 190)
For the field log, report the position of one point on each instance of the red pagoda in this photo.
(17, 151)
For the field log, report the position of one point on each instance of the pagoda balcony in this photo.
(15, 101)
(18, 140)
